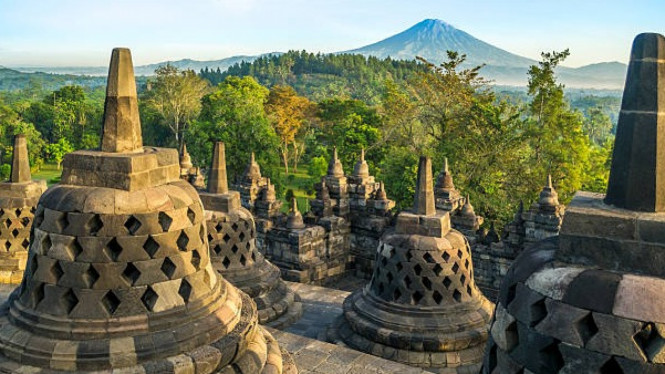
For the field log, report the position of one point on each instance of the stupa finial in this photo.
(20, 162)
(424, 199)
(121, 130)
(217, 182)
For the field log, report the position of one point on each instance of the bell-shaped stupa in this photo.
(232, 237)
(591, 299)
(422, 306)
(18, 201)
(119, 276)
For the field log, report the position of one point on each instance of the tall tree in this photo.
(288, 113)
(176, 96)
(555, 131)
(234, 113)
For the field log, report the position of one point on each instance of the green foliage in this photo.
(318, 166)
(289, 195)
(57, 151)
(234, 113)
(175, 96)
(322, 76)
(350, 125)
(5, 170)
(398, 172)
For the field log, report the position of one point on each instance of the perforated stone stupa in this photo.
(422, 306)
(250, 184)
(591, 300)
(18, 201)
(232, 238)
(119, 277)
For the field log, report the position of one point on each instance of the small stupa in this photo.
(18, 201)
(232, 237)
(422, 306)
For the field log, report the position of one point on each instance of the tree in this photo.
(11, 123)
(558, 143)
(234, 113)
(176, 96)
(288, 113)
(57, 151)
(350, 125)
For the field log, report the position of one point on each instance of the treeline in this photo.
(322, 76)
(12, 80)
(500, 149)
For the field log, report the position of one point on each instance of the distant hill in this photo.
(149, 69)
(11, 79)
(431, 39)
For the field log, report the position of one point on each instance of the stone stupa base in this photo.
(278, 306)
(247, 348)
(557, 318)
(424, 337)
(235, 257)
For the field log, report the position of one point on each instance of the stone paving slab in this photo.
(316, 357)
(5, 290)
(321, 306)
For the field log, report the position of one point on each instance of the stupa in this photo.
(447, 197)
(250, 184)
(232, 238)
(18, 201)
(545, 216)
(422, 306)
(591, 299)
(119, 277)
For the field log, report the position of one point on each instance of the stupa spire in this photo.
(20, 162)
(424, 199)
(121, 130)
(217, 182)
(637, 175)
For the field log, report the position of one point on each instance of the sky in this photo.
(83, 32)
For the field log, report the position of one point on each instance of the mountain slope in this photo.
(149, 69)
(432, 38)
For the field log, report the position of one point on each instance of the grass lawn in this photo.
(299, 182)
(49, 173)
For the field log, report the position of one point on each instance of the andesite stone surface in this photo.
(18, 202)
(590, 300)
(232, 238)
(422, 306)
(119, 277)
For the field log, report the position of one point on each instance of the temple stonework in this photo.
(493, 253)
(370, 215)
(251, 184)
(188, 171)
(233, 251)
(18, 202)
(422, 305)
(119, 276)
(302, 252)
(590, 300)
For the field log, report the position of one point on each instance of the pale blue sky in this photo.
(82, 32)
